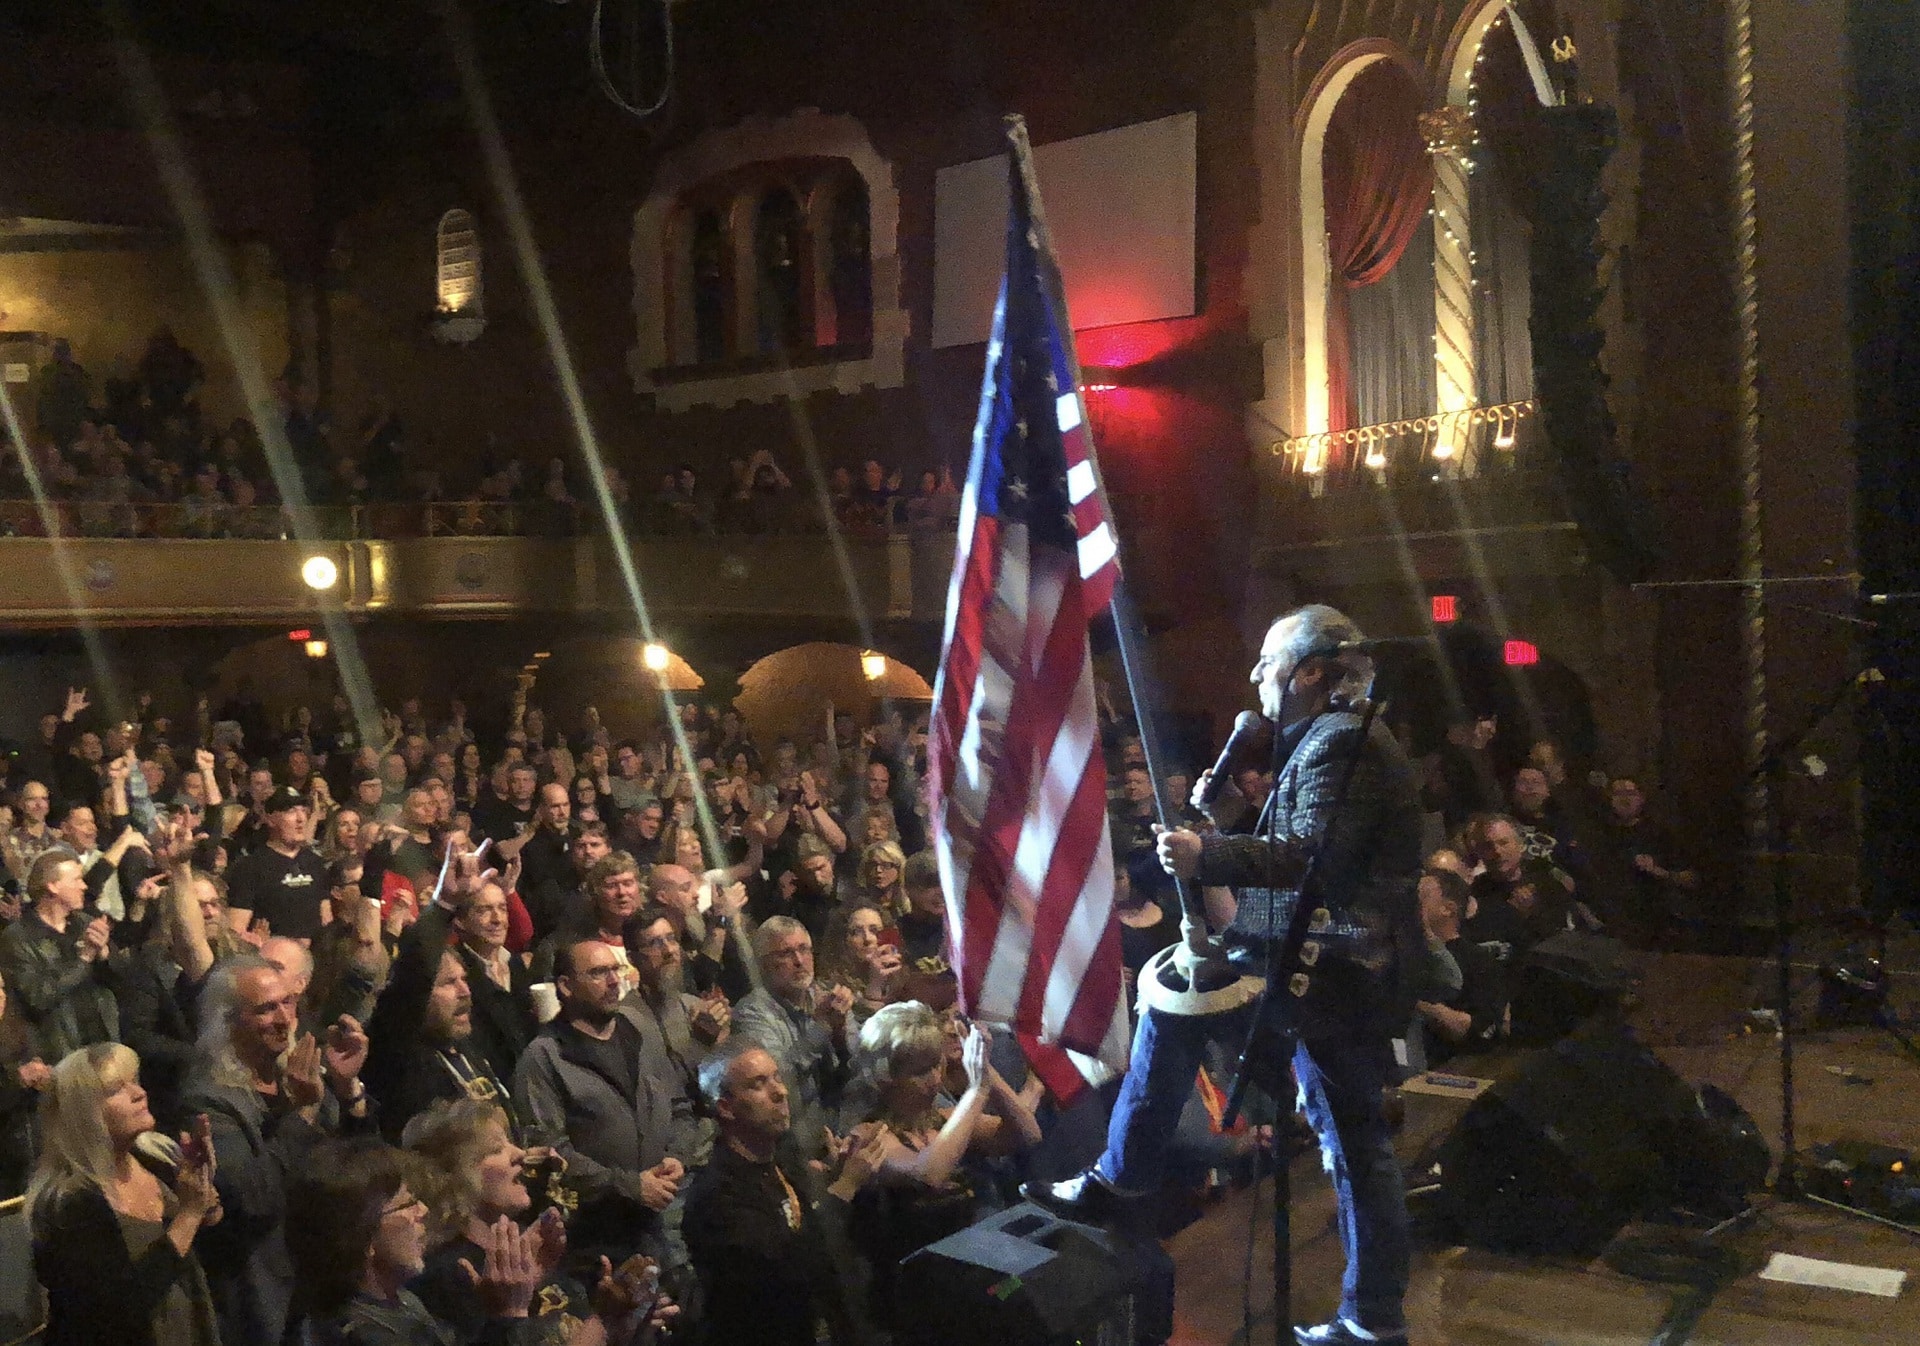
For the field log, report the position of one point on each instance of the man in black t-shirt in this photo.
(772, 1254)
(499, 820)
(284, 881)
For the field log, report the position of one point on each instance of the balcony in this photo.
(431, 563)
(1466, 492)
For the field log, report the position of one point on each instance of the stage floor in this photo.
(1466, 1297)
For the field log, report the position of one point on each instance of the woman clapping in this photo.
(115, 1208)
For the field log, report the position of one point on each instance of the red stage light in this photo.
(300, 635)
(1446, 608)
(1521, 653)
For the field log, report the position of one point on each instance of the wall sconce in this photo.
(873, 665)
(316, 649)
(655, 656)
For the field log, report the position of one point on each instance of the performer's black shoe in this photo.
(1338, 1332)
(1084, 1196)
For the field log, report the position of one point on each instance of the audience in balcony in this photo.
(144, 461)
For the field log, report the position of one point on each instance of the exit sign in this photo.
(1446, 608)
(1522, 653)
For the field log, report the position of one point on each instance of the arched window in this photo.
(710, 257)
(766, 266)
(780, 257)
(850, 268)
(457, 275)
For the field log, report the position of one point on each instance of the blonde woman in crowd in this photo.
(114, 1210)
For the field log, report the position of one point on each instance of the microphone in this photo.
(1246, 728)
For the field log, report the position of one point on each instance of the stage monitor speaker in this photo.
(1564, 981)
(1590, 1134)
(1023, 1277)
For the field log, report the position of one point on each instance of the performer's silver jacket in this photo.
(1367, 877)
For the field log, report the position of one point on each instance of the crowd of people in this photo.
(133, 455)
(490, 1029)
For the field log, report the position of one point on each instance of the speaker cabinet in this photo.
(1020, 1278)
(1590, 1134)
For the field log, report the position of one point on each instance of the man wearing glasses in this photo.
(604, 1093)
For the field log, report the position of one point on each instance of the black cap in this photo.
(362, 774)
(286, 797)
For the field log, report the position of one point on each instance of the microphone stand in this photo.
(1786, 1183)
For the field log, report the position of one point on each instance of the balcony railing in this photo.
(798, 515)
(150, 564)
(1447, 446)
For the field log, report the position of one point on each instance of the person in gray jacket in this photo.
(801, 1024)
(271, 1097)
(603, 1093)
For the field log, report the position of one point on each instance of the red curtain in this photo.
(1378, 185)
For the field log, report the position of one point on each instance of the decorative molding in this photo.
(807, 133)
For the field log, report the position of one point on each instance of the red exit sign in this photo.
(1446, 608)
(1522, 653)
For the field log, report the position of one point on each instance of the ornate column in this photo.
(1448, 131)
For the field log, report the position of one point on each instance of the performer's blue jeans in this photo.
(1343, 1062)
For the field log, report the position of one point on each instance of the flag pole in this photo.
(1212, 984)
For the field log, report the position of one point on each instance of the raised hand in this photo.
(711, 1021)
(193, 1180)
(176, 841)
(863, 1158)
(93, 944)
(346, 1051)
(301, 1075)
(973, 1058)
(76, 702)
(512, 1271)
(550, 1234)
(831, 1005)
(884, 965)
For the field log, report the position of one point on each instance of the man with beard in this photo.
(770, 1254)
(686, 1026)
(802, 1025)
(690, 1025)
(271, 1098)
(423, 1044)
(603, 1091)
(710, 939)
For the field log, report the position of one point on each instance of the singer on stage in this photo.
(1354, 1005)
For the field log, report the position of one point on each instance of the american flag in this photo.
(1018, 783)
